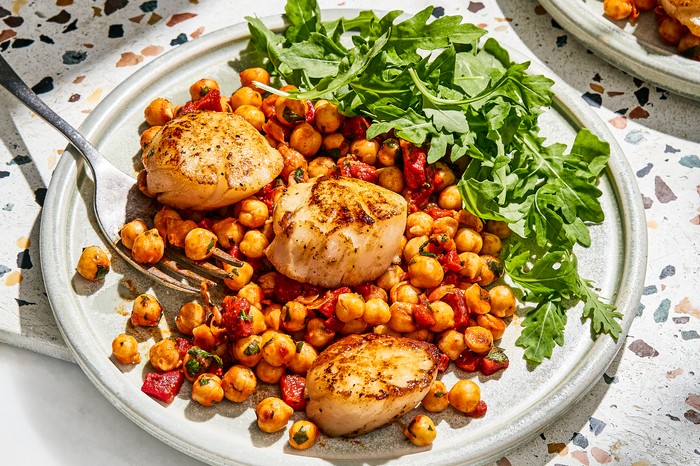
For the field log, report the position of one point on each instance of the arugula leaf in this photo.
(304, 18)
(542, 328)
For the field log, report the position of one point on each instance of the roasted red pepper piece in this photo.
(292, 390)
(436, 213)
(451, 261)
(360, 170)
(468, 361)
(183, 346)
(236, 317)
(414, 163)
(205, 223)
(163, 386)
(310, 112)
(211, 101)
(235, 252)
(422, 316)
(494, 361)
(287, 289)
(355, 128)
(418, 198)
(480, 409)
(330, 300)
(443, 362)
(333, 324)
(458, 302)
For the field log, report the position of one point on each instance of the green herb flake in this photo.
(252, 349)
(300, 346)
(301, 437)
(102, 270)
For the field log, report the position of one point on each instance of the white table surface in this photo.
(644, 411)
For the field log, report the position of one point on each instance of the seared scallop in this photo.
(207, 160)
(334, 232)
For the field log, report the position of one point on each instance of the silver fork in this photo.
(118, 200)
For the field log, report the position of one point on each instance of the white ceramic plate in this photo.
(522, 400)
(635, 49)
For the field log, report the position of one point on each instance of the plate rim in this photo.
(575, 386)
(616, 46)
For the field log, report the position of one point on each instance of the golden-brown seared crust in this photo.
(206, 160)
(363, 382)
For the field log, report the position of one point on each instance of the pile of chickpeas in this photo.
(671, 31)
(288, 336)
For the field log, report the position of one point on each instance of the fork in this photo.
(118, 200)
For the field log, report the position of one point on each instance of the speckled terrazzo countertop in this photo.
(645, 410)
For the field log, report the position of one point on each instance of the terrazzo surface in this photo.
(645, 410)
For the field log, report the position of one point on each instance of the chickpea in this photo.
(148, 247)
(159, 112)
(445, 226)
(294, 316)
(498, 228)
(436, 401)
(350, 306)
(365, 150)
(385, 330)
(278, 349)
(469, 220)
(471, 265)
(322, 166)
(478, 299)
(690, 44)
(387, 152)
(401, 318)
(268, 373)
(425, 272)
(303, 358)
(160, 220)
(450, 198)
(238, 383)
(254, 244)
(249, 75)
(293, 161)
(273, 317)
(468, 240)
(328, 119)
(405, 293)
(274, 130)
(317, 334)
(203, 337)
(257, 319)
(491, 244)
(493, 324)
(240, 275)
(452, 343)
(147, 136)
(303, 435)
(199, 244)
(465, 396)
(93, 264)
(478, 339)
(618, 9)
(502, 301)
(418, 224)
(305, 139)
(444, 316)
(191, 315)
(247, 350)
(202, 87)
(421, 334)
(228, 232)
(126, 349)
(491, 270)
(374, 292)
(420, 431)
(376, 312)
(207, 390)
(253, 293)
(290, 111)
(245, 96)
(253, 214)
(671, 31)
(146, 311)
(412, 248)
(391, 178)
(335, 145)
(392, 277)
(354, 326)
(225, 103)
(178, 230)
(164, 355)
(446, 174)
(251, 114)
(645, 5)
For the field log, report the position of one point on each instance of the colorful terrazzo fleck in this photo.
(645, 408)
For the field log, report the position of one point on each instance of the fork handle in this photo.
(13, 83)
